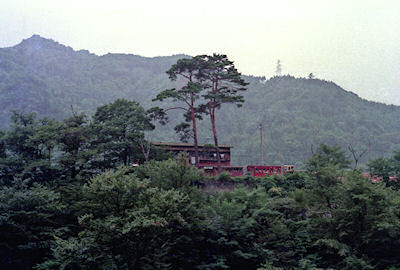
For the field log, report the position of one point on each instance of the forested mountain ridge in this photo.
(297, 113)
(44, 76)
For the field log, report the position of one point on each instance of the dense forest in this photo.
(297, 114)
(68, 200)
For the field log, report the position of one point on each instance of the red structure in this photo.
(261, 171)
(378, 179)
(207, 156)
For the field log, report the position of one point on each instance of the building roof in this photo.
(187, 144)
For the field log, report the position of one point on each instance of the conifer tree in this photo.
(189, 70)
(222, 83)
(73, 140)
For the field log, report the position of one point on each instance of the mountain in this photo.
(44, 76)
(296, 113)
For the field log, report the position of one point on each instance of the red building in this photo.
(207, 156)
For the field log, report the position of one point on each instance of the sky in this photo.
(355, 43)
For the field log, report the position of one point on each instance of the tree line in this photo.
(43, 149)
(166, 214)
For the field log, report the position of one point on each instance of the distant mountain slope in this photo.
(44, 76)
(297, 113)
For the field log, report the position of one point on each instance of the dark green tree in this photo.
(30, 144)
(45, 136)
(396, 163)
(125, 224)
(119, 130)
(23, 127)
(361, 231)
(171, 173)
(29, 217)
(2, 145)
(74, 141)
(6, 174)
(327, 155)
(325, 169)
(76, 160)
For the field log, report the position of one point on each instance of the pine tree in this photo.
(222, 83)
(189, 94)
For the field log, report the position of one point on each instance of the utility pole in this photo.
(261, 142)
(369, 149)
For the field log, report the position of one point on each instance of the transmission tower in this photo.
(278, 70)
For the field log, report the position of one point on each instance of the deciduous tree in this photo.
(119, 129)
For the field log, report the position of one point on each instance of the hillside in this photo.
(44, 76)
(297, 113)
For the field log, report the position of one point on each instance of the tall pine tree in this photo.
(188, 70)
(223, 84)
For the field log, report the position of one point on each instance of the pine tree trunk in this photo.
(196, 146)
(212, 117)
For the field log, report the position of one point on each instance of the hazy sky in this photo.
(355, 43)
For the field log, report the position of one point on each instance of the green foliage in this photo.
(234, 223)
(74, 140)
(328, 156)
(221, 80)
(2, 145)
(361, 231)
(154, 217)
(29, 217)
(224, 177)
(28, 149)
(325, 169)
(118, 131)
(171, 173)
(23, 128)
(125, 225)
